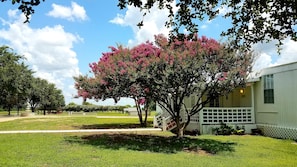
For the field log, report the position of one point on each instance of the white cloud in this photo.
(119, 19)
(73, 13)
(223, 10)
(48, 50)
(12, 13)
(262, 61)
(268, 55)
(204, 26)
(153, 23)
(288, 53)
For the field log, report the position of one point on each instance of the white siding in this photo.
(284, 110)
(286, 98)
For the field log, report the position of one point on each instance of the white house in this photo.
(276, 101)
(268, 102)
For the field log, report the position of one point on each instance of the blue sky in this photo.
(63, 37)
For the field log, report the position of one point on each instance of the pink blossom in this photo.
(141, 101)
(122, 71)
(146, 90)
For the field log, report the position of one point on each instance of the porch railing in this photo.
(230, 115)
(166, 123)
(212, 116)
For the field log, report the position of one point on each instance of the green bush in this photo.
(224, 129)
(239, 131)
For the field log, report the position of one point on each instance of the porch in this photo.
(236, 109)
(210, 117)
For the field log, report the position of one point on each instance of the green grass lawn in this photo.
(112, 113)
(69, 123)
(141, 149)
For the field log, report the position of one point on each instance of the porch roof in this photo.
(251, 80)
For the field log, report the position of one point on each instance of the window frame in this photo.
(268, 87)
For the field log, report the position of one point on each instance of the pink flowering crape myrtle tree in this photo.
(167, 73)
(201, 66)
(87, 88)
(118, 74)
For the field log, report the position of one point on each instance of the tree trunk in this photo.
(143, 122)
(32, 109)
(140, 116)
(9, 111)
(179, 127)
(180, 132)
(139, 112)
(44, 113)
(145, 117)
(140, 119)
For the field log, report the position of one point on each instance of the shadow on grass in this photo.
(114, 126)
(152, 143)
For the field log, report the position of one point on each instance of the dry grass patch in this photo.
(39, 120)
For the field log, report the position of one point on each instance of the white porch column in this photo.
(253, 103)
(200, 121)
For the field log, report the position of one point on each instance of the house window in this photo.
(268, 89)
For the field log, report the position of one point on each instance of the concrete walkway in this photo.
(9, 118)
(121, 117)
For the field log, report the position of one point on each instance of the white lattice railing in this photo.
(170, 123)
(158, 121)
(210, 116)
(230, 115)
(166, 119)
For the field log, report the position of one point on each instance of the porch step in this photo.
(171, 125)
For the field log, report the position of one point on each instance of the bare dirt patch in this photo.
(5, 119)
(198, 151)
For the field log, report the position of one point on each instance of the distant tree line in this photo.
(19, 88)
(93, 108)
(89, 107)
